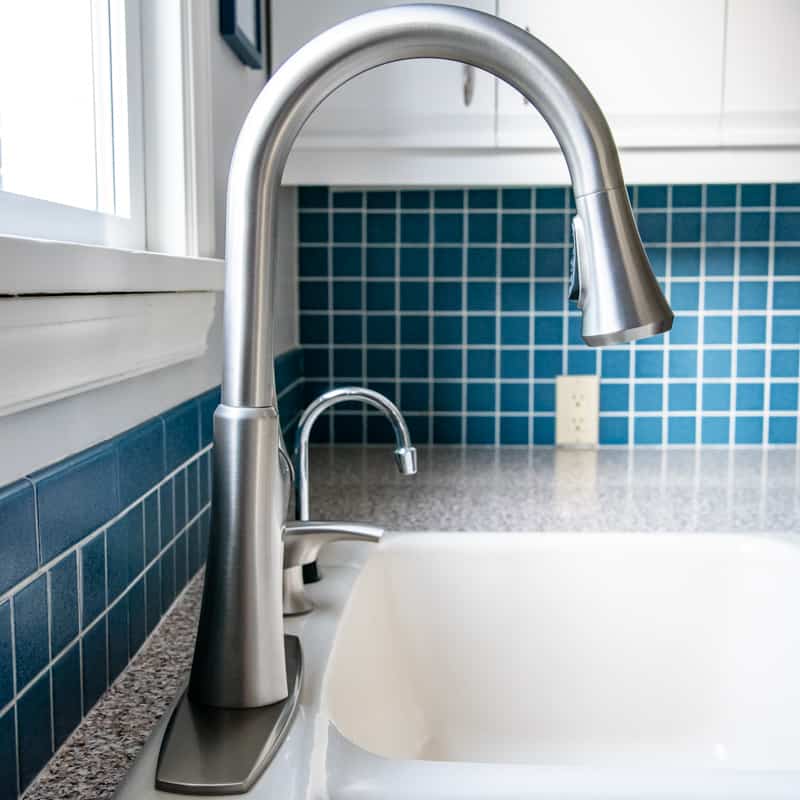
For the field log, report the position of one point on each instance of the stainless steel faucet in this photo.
(405, 454)
(240, 659)
(301, 549)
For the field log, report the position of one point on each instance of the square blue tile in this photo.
(480, 397)
(544, 431)
(549, 296)
(750, 363)
(513, 430)
(137, 618)
(649, 364)
(550, 262)
(182, 430)
(684, 296)
(66, 694)
(414, 262)
(181, 562)
(75, 497)
(449, 198)
(31, 631)
(686, 262)
(787, 194)
(554, 197)
(682, 364)
(380, 363)
(447, 397)
(481, 262)
(717, 363)
(447, 330)
(93, 578)
(582, 362)
(687, 196)
(784, 364)
(167, 579)
(754, 261)
(482, 198)
(514, 330)
(448, 228)
(754, 226)
(6, 655)
(516, 198)
(685, 227)
(413, 329)
(313, 227)
(413, 363)
(613, 430)
(346, 330)
(718, 330)
(414, 296)
(515, 262)
(346, 227)
(547, 363)
(95, 672)
(720, 226)
(753, 330)
(715, 430)
(756, 194)
(313, 295)
(614, 397)
(415, 198)
(515, 296)
(64, 602)
(480, 430)
(785, 330)
(647, 430)
(118, 638)
(721, 195)
(749, 430)
(786, 295)
(380, 228)
(414, 228)
(480, 363)
(657, 256)
(447, 429)
(348, 199)
(682, 396)
(34, 729)
(783, 397)
(787, 226)
(782, 430)
(516, 228)
(346, 261)
(514, 397)
(787, 261)
(380, 263)
(179, 491)
(312, 261)
(615, 364)
(17, 533)
(716, 397)
(719, 261)
(8, 755)
(548, 330)
(551, 228)
(648, 397)
(346, 295)
(142, 460)
(481, 296)
(684, 330)
(681, 430)
(481, 330)
(750, 397)
(514, 364)
(652, 197)
(153, 595)
(166, 499)
(752, 295)
(544, 397)
(719, 296)
(482, 228)
(312, 197)
(652, 227)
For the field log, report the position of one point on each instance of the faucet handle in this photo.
(302, 541)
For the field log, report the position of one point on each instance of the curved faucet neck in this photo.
(316, 70)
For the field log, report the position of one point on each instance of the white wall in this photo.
(40, 436)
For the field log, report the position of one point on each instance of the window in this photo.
(71, 165)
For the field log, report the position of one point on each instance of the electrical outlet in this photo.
(577, 410)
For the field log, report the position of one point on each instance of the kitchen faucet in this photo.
(246, 676)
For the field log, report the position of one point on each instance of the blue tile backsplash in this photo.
(454, 304)
(95, 549)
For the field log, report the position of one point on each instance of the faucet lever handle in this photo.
(302, 541)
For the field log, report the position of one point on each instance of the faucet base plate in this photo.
(208, 750)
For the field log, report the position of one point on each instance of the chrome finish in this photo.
(405, 454)
(302, 542)
(239, 659)
(469, 84)
(208, 750)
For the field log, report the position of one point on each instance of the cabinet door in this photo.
(418, 103)
(762, 64)
(655, 67)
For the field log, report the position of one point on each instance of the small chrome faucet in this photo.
(244, 666)
(300, 547)
(405, 454)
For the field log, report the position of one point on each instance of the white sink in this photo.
(500, 666)
(607, 665)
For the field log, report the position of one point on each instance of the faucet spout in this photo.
(239, 656)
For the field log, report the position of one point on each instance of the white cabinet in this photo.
(418, 103)
(761, 101)
(655, 68)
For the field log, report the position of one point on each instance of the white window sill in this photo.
(107, 315)
(38, 266)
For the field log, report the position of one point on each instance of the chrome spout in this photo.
(239, 656)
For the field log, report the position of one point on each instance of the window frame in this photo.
(32, 217)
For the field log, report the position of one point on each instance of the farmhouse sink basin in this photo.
(485, 666)
(595, 665)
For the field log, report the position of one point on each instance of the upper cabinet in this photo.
(761, 98)
(420, 103)
(655, 68)
(694, 91)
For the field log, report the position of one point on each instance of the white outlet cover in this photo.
(577, 410)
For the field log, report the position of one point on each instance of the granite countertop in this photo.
(456, 489)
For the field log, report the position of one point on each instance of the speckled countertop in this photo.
(456, 489)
